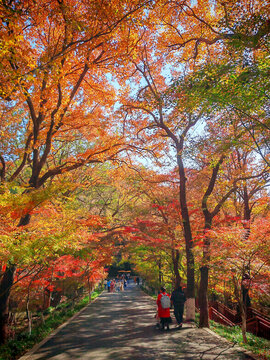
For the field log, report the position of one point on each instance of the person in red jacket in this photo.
(163, 303)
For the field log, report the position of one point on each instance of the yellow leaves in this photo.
(54, 229)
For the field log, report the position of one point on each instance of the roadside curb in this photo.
(253, 356)
(28, 354)
(145, 293)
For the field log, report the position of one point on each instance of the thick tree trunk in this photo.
(204, 272)
(5, 288)
(190, 294)
(190, 309)
(190, 305)
(243, 314)
(203, 297)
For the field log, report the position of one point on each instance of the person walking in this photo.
(112, 287)
(178, 299)
(163, 303)
(109, 285)
(122, 285)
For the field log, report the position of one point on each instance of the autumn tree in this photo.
(82, 83)
(160, 226)
(224, 180)
(226, 52)
(200, 29)
(54, 61)
(234, 257)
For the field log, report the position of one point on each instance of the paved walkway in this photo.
(122, 326)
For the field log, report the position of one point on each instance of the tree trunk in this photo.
(28, 313)
(29, 319)
(190, 304)
(5, 288)
(203, 297)
(175, 259)
(242, 308)
(244, 325)
(204, 272)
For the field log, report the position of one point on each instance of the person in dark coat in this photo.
(178, 299)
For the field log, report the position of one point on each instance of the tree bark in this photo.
(203, 289)
(175, 259)
(5, 288)
(204, 270)
(190, 305)
(244, 326)
(242, 308)
(28, 312)
(203, 298)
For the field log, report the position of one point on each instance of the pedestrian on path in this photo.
(121, 285)
(163, 303)
(178, 299)
(112, 287)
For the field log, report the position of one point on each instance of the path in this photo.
(121, 326)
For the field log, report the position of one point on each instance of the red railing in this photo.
(226, 311)
(257, 323)
(259, 326)
(218, 317)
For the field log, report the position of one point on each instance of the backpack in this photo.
(165, 301)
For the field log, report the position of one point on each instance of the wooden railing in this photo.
(226, 311)
(257, 322)
(218, 317)
(259, 326)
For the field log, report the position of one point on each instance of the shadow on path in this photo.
(122, 326)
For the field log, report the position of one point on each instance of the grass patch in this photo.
(149, 291)
(23, 342)
(255, 344)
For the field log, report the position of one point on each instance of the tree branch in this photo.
(3, 170)
(210, 189)
(19, 169)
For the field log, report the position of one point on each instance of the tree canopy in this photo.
(137, 129)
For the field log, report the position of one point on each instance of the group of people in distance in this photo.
(118, 284)
(165, 302)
